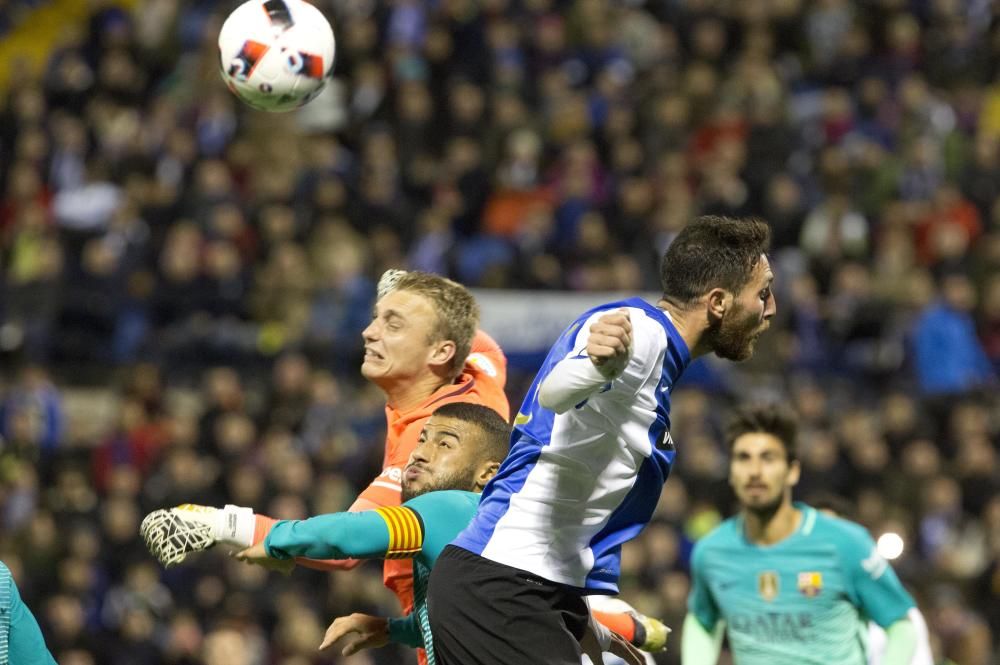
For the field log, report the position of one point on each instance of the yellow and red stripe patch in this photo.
(406, 535)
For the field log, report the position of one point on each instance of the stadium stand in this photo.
(184, 280)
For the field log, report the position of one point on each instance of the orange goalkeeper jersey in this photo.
(481, 382)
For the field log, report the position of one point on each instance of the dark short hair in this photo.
(496, 431)
(775, 419)
(712, 252)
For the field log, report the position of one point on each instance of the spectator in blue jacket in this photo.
(948, 356)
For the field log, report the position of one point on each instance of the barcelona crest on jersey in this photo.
(810, 583)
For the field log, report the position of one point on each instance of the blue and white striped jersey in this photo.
(578, 484)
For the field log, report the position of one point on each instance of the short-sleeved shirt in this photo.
(804, 601)
(578, 484)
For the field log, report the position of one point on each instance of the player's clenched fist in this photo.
(610, 343)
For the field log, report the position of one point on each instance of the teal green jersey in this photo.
(418, 530)
(21, 641)
(802, 601)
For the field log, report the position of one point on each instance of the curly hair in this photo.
(775, 419)
(712, 252)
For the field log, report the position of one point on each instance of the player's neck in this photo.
(771, 527)
(411, 393)
(684, 321)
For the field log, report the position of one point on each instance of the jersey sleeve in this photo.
(443, 515)
(575, 378)
(406, 630)
(390, 533)
(874, 584)
(648, 347)
(25, 640)
(701, 603)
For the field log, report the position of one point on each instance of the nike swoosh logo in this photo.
(522, 419)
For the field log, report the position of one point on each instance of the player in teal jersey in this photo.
(21, 642)
(459, 450)
(837, 506)
(786, 583)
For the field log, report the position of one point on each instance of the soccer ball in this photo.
(276, 54)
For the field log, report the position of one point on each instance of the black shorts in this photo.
(486, 613)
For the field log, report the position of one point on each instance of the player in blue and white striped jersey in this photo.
(590, 451)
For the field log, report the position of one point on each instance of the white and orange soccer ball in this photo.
(276, 55)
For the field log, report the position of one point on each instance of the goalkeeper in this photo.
(422, 350)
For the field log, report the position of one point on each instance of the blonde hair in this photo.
(456, 309)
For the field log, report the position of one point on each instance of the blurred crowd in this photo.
(204, 271)
(13, 12)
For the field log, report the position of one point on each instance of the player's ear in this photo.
(485, 472)
(794, 473)
(442, 352)
(717, 302)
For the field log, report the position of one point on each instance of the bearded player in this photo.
(459, 450)
(787, 584)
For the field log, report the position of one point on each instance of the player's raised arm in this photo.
(171, 534)
(395, 532)
(600, 355)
